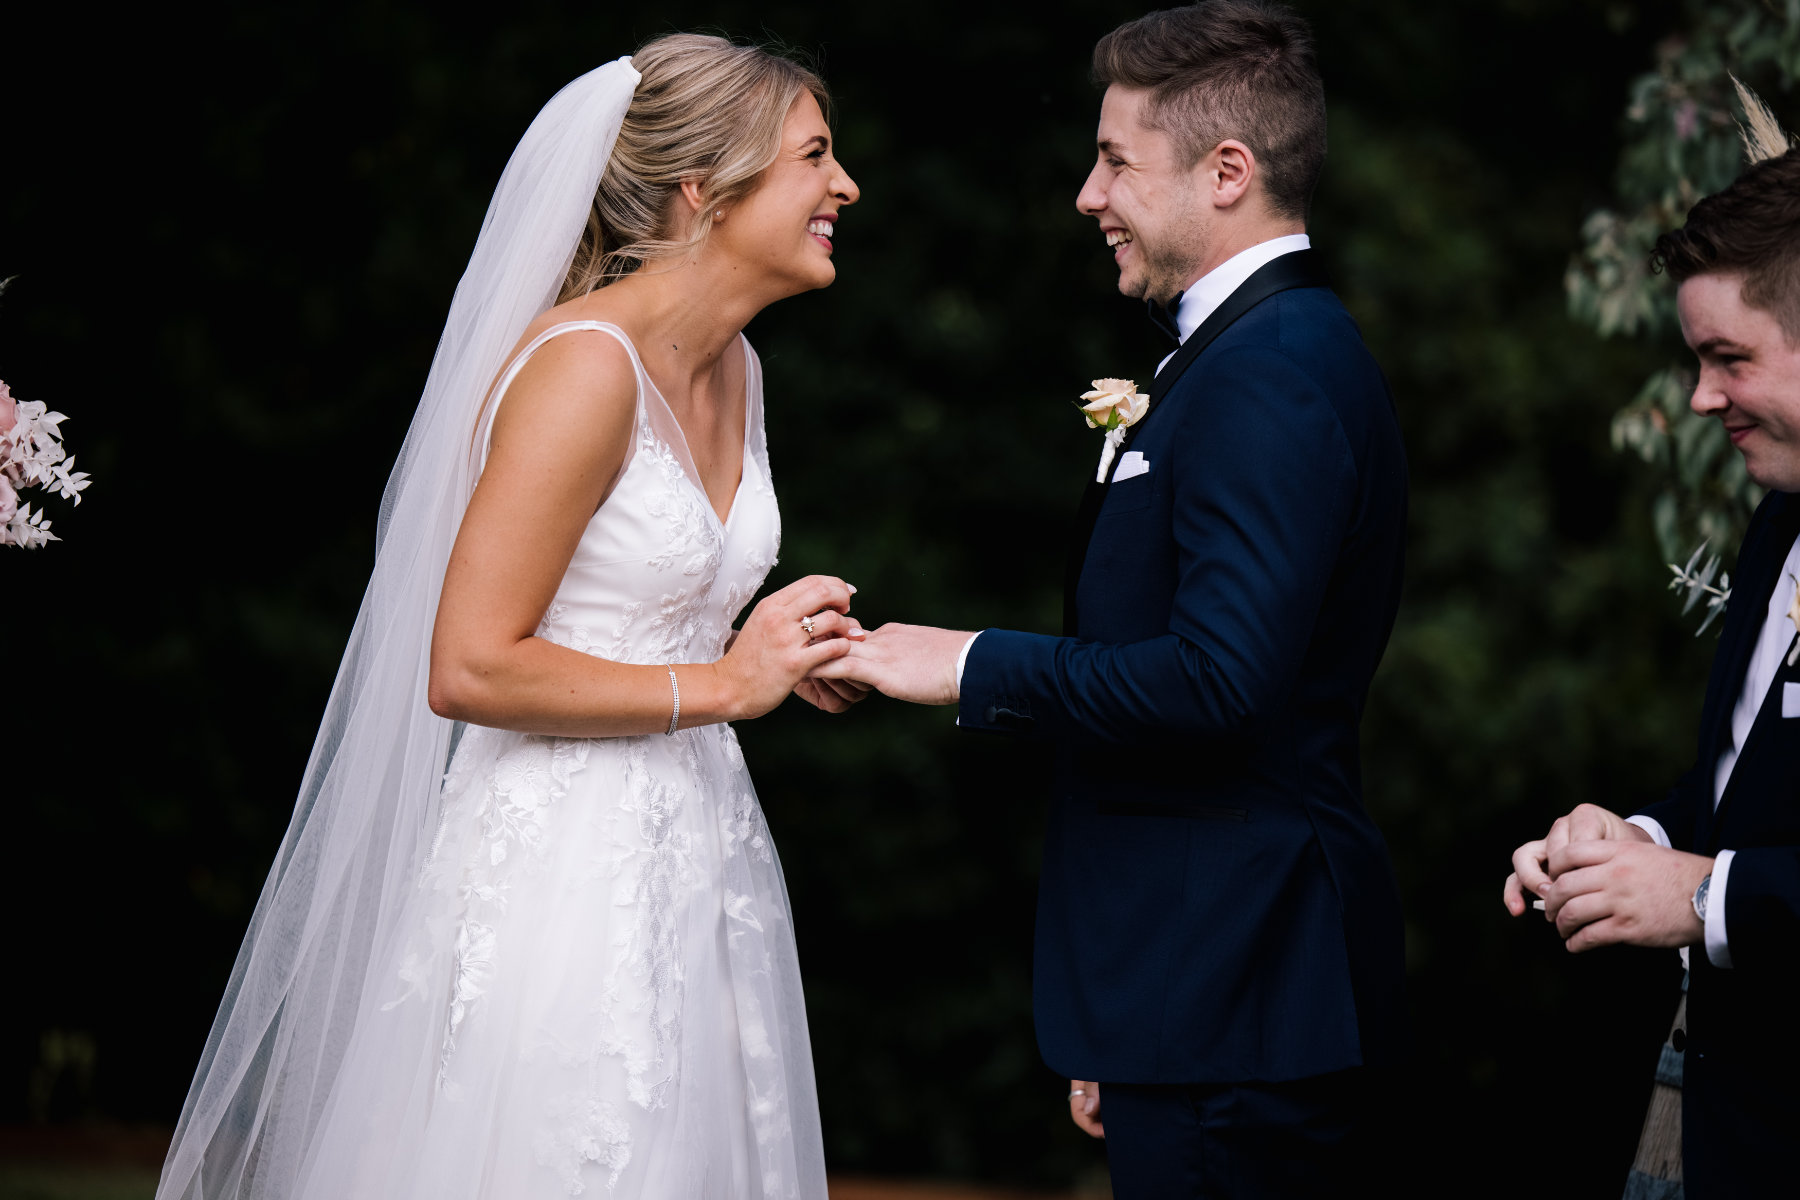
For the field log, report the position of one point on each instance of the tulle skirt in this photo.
(595, 991)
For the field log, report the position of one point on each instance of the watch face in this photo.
(1700, 897)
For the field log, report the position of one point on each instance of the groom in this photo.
(1219, 931)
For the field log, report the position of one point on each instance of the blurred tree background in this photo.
(236, 232)
(1684, 139)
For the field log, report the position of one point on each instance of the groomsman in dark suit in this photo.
(1219, 945)
(1716, 865)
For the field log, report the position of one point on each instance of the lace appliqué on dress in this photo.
(511, 813)
(579, 1130)
(692, 537)
(665, 872)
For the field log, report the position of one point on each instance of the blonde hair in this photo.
(705, 110)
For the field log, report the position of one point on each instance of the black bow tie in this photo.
(1164, 318)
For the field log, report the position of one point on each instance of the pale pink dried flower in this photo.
(1687, 120)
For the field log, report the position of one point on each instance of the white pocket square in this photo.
(1131, 464)
(1790, 699)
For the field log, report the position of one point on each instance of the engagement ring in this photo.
(806, 623)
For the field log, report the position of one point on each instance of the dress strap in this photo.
(756, 435)
(531, 347)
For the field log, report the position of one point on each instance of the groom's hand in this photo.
(1084, 1107)
(915, 663)
(1532, 862)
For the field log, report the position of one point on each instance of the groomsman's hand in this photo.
(1084, 1107)
(1531, 873)
(915, 663)
(1625, 892)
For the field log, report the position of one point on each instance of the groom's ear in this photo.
(1229, 171)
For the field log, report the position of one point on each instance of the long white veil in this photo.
(327, 916)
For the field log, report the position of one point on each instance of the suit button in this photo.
(1678, 1040)
(991, 714)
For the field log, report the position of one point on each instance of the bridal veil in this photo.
(328, 917)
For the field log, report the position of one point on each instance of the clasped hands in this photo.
(914, 663)
(804, 638)
(1604, 881)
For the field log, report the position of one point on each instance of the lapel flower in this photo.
(1794, 616)
(1113, 405)
(1698, 584)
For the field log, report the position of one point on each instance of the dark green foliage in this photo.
(1682, 142)
(235, 292)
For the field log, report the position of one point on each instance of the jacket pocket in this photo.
(1127, 495)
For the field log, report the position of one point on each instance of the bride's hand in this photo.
(772, 653)
(832, 695)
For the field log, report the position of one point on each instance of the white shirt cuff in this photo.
(1653, 827)
(961, 659)
(1716, 948)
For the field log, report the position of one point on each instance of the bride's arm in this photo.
(558, 440)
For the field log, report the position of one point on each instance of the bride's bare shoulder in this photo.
(580, 385)
(582, 310)
(589, 363)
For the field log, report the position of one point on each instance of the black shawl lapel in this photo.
(1298, 269)
(1756, 582)
(1743, 622)
(1768, 718)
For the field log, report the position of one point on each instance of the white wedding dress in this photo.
(595, 991)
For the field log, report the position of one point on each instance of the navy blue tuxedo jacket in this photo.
(1747, 1013)
(1215, 904)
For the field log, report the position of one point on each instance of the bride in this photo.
(564, 965)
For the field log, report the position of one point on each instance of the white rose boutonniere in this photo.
(1113, 405)
(1794, 616)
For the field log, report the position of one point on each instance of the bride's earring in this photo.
(719, 216)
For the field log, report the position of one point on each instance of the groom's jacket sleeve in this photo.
(1762, 908)
(1264, 488)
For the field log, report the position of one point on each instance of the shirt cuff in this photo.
(1653, 827)
(962, 659)
(1716, 948)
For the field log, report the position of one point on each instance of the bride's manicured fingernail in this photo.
(852, 588)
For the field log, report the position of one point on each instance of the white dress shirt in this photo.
(1215, 287)
(1771, 646)
(1198, 303)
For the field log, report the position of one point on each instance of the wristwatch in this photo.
(1700, 898)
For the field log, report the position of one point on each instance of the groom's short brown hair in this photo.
(1241, 69)
(1752, 229)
